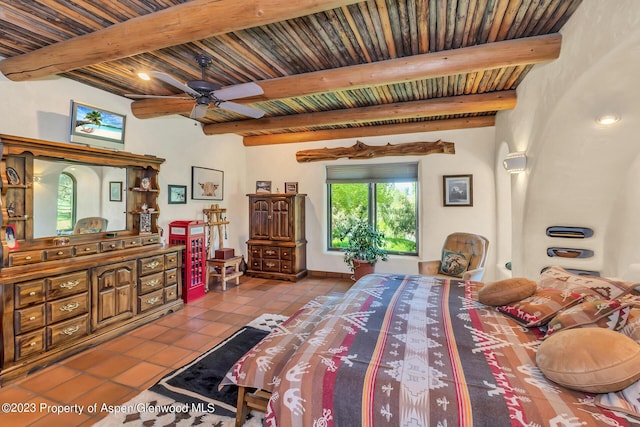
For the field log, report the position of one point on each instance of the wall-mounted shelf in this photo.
(569, 252)
(569, 232)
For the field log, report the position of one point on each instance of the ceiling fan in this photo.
(206, 93)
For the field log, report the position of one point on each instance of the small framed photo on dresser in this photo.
(291, 187)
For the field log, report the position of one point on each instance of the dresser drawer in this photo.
(286, 267)
(67, 331)
(170, 293)
(151, 265)
(28, 344)
(171, 277)
(25, 258)
(256, 251)
(67, 307)
(171, 260)
(150, 283)
(86, 249)
(271, 252)
(132, 242)
(256, 264)
(271, 265)
(286, 253)
(28, 319)
(111, 245)
(151, 239)
(29, 293)
(67, 284)
(149, 301)
(58, 253)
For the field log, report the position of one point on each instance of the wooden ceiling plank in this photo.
(414, 109)
(422, 24)
(360, 132)
(180, 24)
(459, 61)
(386, 28)
(353, 26)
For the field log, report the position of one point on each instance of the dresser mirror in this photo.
(65, 192)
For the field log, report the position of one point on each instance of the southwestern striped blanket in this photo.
(409, 351)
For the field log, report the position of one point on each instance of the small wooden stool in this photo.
(250, 400)
(222, 264)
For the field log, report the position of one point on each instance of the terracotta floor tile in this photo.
(171, 336)
(149, 331)
(139, 374)
(146, 349)
(217, 329)
(113, 366)
(14, 394)
(169, 356)
(62, 419)
(48, 378)
(109, 392)
(195, 341)
(212, 314)
(122, 344)
(87, 359)
(74, 387)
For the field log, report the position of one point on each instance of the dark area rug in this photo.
(197, 382)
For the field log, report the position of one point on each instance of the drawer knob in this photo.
(70, 307)
(28, 257)
(173, 276)
(32, 293)
(270, 265)
(152, 283)
(71, 330)
(60, 253)
(87, 249)
(113, 245)
(270, 252)
(32, 344)
(70, 284)
(32, 318)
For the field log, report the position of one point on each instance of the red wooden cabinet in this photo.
(192, 235)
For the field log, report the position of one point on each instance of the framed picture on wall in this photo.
(263, 186)
(291, 187)
(206, 184)
(177, 194)
(115, 191)
(457, 190)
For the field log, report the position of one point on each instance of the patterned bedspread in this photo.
(409, 351)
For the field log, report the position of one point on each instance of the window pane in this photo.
(349, 203)
(66, 189)
(396, 215)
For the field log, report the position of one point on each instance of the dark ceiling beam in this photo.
(465, 104)
(364, 131)
(489, 56)
(184, 23)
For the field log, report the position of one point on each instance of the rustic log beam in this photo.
(489, 56)
(184, 23)
(360, 132)
(360, 150)
(465, 104)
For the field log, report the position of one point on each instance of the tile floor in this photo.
(115, 371)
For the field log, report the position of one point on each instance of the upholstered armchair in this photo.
(92, 224)
(472, 245)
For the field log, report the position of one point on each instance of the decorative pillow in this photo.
(559, 278)
(632, 328)
(592, 360)
(609, 314)
(626, 400)
(540, 307)
(454, 263)
(506, 291)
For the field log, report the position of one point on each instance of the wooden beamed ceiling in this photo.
(329, 69)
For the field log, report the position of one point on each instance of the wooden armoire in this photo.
(277, 245)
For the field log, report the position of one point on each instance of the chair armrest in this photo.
(474, 275)
(428, 268)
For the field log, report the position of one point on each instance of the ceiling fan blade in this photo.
(241, 109)
(175, 83)
(136, 96)
(238, 91)
(199, 111)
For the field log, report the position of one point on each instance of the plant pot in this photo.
(362, 268)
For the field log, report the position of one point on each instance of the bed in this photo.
(409, 350)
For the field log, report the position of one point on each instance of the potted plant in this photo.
(364, 249)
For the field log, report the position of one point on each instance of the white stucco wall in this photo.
(580, 173)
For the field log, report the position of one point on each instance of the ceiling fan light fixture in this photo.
(607, 119)
(144, 76)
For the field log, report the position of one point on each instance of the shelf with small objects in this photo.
(143, 200)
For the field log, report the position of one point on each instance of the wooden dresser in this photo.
(277, 245)
(62, 292)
